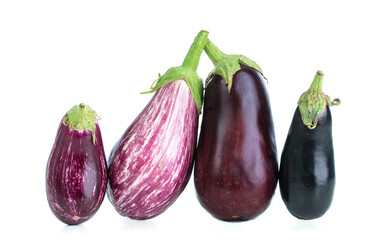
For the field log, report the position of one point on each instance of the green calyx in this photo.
(313, 102)
(187, 71)
(81, 117)
(227, 65)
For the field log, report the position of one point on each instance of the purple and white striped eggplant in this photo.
(152, 162)
(76, 177)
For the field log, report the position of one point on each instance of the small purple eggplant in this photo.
(76, 177)
(151, 163)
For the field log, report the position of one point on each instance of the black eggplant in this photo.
(307, 169)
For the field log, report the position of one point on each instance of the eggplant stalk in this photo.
(227, 65)
(314, 101)
(81, 117)
(187, 71)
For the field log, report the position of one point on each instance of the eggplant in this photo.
(236, 167)
(152, 162)
(307, 168)
(76, 176)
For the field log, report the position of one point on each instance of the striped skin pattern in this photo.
(76, 178)
(151, 164)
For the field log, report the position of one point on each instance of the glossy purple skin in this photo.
(151, 163)
(236, 166)
(76, 176)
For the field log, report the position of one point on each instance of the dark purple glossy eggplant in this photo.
(236, 165)
(76, 176)
(307, 168)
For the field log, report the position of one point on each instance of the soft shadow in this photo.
(136, 225)
(73, 228)
(305, 225)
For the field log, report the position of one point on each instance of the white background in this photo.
(56, 54)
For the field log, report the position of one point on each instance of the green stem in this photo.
(214, 53)
(316, 85)
(187, 71)
(314, 101)
(81, 117)
(227, 65)
(192, 58)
